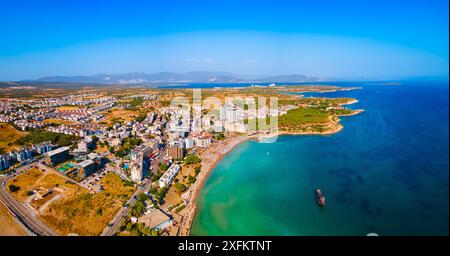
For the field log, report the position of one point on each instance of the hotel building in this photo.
(57, 156)
(86, 168)
(139, 162)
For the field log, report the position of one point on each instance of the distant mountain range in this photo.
(171, 77)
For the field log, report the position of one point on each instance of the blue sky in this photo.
(343, 39)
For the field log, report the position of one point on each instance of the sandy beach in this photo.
(213, 155)
(210, 158)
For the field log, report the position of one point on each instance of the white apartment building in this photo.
(168, 176)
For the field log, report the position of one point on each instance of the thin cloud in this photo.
(197, 60)
(249, 61)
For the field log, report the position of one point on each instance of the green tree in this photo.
(180, 187)
(192, 159)
(191, 179)
(13, 188)
(99, 211)
(161, 195)
(163, 166)
(129, 226)
(36, 137)
(136, 102)
(141, 117)
(197, 170)
(152, 190)
(219, 136)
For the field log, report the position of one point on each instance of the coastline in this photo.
(220, 150)
(208, 165)
(191, 207)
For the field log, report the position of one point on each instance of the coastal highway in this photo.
(22, 214)
(112, 226)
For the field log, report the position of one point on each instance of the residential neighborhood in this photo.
(150, 146)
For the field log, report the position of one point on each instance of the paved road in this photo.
(23, 214)
(19, 170)
(112, 226)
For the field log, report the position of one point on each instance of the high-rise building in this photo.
(229, 113)
(196, 124)
(232, 113)
(189, 142)
(139, 162)
(175, 150)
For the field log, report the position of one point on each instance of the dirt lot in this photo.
(87, 214)
(9, 134)
(119, 114)
(75, 210)
(27, 181)
(58, 121)
(68, 108)
(173, 197)
(9, 226)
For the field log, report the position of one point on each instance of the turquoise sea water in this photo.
(385, 172)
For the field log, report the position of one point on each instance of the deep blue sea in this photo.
(386, 172)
